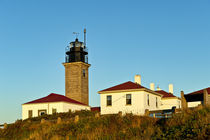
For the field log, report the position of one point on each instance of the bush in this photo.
(190, 124)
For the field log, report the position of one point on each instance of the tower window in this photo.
(109, 100)
(148, 99)
(128, 99)
(83, 72)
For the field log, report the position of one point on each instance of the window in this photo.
(156, 102)
(42, 112)
(148, 99)
(30, 114)
(83, 72)
(54, 110)
(128, 99)
(109, 100)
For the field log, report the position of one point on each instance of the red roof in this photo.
(55, 98)
(124, 86)
(165, 94)
(200, 91)
(98, 109)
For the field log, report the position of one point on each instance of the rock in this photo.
(97, 115)
(120, 113)
(59, 120)
(5, 125)
(67, 137)
(146, 112)
(76, 118)
(43, 121)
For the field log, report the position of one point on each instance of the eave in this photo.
(130, 90)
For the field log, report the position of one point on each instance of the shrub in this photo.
(190, 124)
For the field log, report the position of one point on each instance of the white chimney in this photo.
(171, 88)
(152, 86)
(138, 79)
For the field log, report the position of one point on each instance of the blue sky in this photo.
(163, 41)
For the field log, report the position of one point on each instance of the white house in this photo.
(169, 100)
(53, 103)
(129, 97)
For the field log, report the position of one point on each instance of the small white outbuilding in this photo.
(53, 103)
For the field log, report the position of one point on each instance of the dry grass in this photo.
(190, 124)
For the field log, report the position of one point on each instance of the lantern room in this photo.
(76, 52)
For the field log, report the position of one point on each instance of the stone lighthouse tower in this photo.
(76, 71)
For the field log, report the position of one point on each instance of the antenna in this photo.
(85, 37)
(76, 33)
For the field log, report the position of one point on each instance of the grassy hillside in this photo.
(190, 124)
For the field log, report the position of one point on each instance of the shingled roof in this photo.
(124, 86)
(199, 91)
(128, 86)
(165, 94)
(55, 98)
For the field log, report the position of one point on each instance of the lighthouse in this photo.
(77, 71)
